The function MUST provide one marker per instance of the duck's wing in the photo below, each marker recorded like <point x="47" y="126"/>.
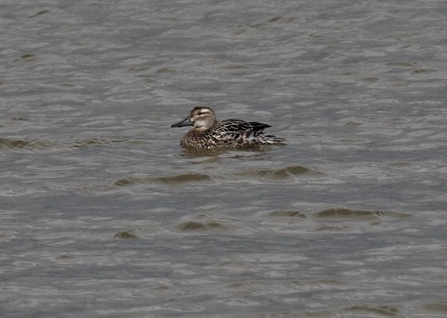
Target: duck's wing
<point x="258" y="127"/>
<point x="232" y="130"/>
<point x="237" y="125"/>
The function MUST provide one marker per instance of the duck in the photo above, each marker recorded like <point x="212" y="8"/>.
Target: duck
<point x="210" y="133"/>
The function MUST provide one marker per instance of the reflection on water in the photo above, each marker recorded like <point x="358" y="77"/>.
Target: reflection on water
<point x="103" y="214"/>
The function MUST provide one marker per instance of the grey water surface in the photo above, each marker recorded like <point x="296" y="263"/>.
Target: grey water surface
<point x="102" y="214"/>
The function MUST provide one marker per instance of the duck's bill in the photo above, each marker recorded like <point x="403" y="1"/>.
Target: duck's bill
<point x="186" y="122"/>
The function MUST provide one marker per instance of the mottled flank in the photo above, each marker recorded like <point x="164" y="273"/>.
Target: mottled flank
<point x="210" y="133"/>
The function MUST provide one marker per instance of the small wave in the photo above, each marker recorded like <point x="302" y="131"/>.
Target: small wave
<point x="346" y="213"/>
<point x="128" y="181"/>
<point x="41" y="145"/>
<point x="93" y="142"/>
<point x="200" y="226"/>
<point x="167" y="180"/>
<point x="183" y="178"/>
<point x="125" y="235"/>
<point x="14" y="144"/>
<point x="288" y="214"/>
<point x="380" y="310"/>
<point x="331" y="228"/>
<point x="281" y="174"/>
<point x="438" y="307"/>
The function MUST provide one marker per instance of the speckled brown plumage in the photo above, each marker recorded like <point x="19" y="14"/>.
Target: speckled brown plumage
<point x="210" y="133"/>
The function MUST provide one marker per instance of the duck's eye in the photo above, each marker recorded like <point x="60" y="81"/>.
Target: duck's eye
<point x="200" y="113"/>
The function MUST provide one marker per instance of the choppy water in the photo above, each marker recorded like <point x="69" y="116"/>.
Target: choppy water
<point x="102" y="213"/>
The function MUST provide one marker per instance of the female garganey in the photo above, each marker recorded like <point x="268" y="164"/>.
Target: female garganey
<point x="210" y="133"/>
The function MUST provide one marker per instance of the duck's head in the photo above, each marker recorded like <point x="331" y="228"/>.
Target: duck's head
<point x="200" y="117"/>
